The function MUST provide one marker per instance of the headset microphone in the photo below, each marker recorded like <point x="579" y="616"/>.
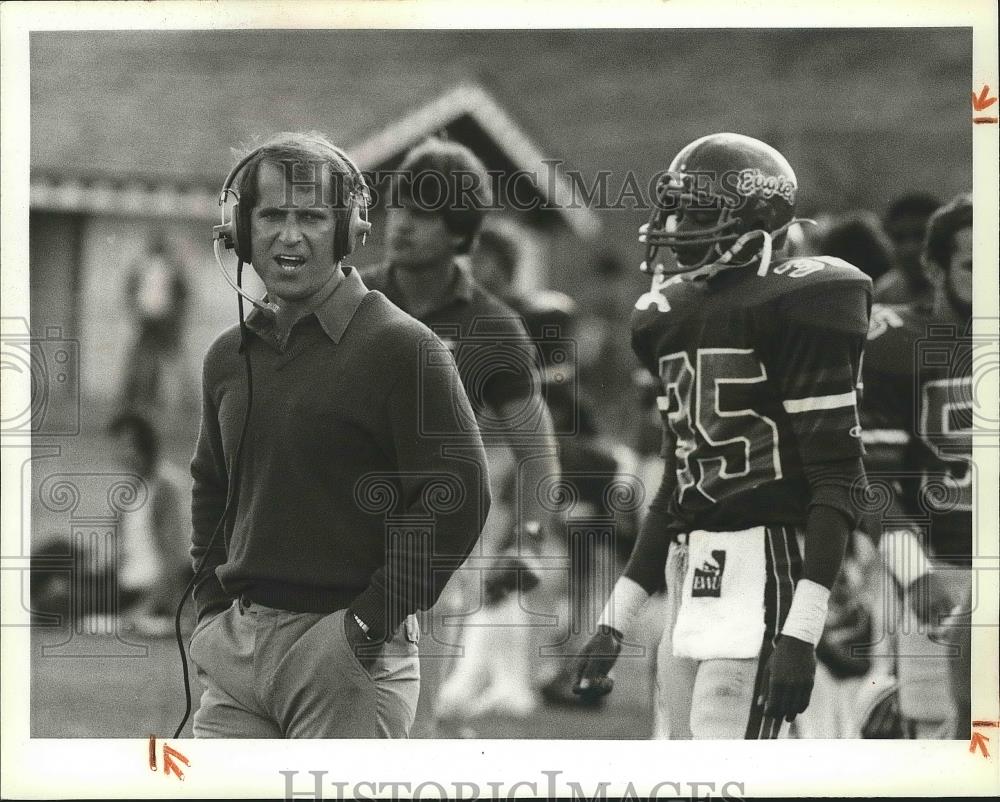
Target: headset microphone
<point x="223" y="236"/>
<point x="266" y="307"/>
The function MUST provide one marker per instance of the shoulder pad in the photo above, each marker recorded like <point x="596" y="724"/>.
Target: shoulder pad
<point x="807" y="270"/>
<point x="823" y="292"/>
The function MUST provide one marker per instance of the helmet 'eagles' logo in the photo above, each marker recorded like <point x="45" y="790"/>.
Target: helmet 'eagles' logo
<point x="755" y="182"/>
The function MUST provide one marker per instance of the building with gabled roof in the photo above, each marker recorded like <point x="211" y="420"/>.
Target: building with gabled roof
<point x="132" y="133"/>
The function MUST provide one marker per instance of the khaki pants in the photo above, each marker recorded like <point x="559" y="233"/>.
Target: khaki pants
<point x="271" y="673"/>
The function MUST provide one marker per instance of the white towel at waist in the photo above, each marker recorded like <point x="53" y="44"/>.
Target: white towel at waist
<point x="722" y="601"/>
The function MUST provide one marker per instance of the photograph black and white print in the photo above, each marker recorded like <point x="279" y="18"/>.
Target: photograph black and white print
<point x="559" y="392"/>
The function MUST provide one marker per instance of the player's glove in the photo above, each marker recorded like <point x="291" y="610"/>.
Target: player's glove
<point x="599" y="656"/>
<point x="788" y="679"/>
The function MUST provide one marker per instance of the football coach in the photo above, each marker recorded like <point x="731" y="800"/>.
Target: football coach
<point x="306" y="625"/>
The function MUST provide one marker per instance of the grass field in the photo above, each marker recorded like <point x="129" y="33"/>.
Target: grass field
<point x="134" y="694"/>
<point x="140" y="691"/>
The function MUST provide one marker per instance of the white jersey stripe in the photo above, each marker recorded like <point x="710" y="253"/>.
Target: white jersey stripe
<point x="821" y="402"/>
<point x="885" y="437"/>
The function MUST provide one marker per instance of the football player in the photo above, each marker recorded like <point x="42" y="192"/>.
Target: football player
<point x="759" y="359"/>
<point x="917" y="409"/>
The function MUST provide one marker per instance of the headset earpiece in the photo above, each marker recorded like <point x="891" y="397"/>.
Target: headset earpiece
<point x="357" y="227"/>
<point x="240" y="223"/>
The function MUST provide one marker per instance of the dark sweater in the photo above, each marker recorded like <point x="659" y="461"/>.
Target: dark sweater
<point x="342" y="502"/>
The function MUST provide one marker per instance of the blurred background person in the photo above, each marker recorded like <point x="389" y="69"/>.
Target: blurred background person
<point x="606" y="359"/>
<point x="858" y="239"/>
<point x="599" y="483"/>
<point x="918" y="417"/>
<point x="905" y="222"/>
<point x="153" y="540"/>
<point x="430" y="232"/>
<point x="599" y="474"/>
<point x="847" y="679"/>
<point x="496" y="260"/>
<point x="156" y="380"/>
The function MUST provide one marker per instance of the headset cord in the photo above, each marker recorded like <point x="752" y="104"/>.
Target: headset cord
<point x="230" y="496"/>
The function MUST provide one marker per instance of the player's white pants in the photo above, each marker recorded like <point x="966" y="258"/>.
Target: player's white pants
<point x="717" y="698"/>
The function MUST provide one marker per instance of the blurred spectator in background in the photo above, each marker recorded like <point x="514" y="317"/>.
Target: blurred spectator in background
<point x="600" y="476"/>
<point x="605" y="353"/>
<point x="427" y="274"/>
<point x="917" y="414"/>
<point x="496" y="260"/>
<point x="847" y="679"/>
<point x="154" y="563"/>
<point x="858" y="239"/>
<point x="905" y="222"/>
<point x="156" y="380"/>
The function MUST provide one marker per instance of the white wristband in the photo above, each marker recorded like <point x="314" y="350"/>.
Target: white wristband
<point x="624" y="605"/>
<point x="904" y="556"/>
<point x="807" y="615"/>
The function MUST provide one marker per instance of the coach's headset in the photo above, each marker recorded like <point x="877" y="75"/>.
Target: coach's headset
<point x="235" y="234"/>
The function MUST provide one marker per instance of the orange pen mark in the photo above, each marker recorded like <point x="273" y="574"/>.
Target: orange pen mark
<point x="169" y="753"/>
<point x="979" y="741"/>
<point x="152" y="753"/>
<point x="981" y="102"/>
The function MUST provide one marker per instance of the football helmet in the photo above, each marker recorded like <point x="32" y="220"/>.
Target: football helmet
<point x="721" y="193"/>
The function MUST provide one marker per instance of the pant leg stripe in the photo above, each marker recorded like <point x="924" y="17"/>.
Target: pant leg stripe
<point x="783" y="565"/>
<point x="775" y="619"/>
<point x="790" y="569"/>
<point x="755" y="723"/>
<point x="785" y="579"/>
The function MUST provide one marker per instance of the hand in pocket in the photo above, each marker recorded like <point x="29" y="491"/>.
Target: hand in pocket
<point x="364" y="649"/>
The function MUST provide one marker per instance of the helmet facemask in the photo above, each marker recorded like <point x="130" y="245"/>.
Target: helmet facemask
<point x="711" y="217"/>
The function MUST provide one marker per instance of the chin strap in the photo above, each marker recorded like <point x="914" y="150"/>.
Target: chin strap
<point x="725" y="260"/>
<point x="766" y="251"/>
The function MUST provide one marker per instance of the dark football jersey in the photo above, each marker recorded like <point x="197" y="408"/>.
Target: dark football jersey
<point x="917" y="413"/>
<point x="759" y="377"/>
